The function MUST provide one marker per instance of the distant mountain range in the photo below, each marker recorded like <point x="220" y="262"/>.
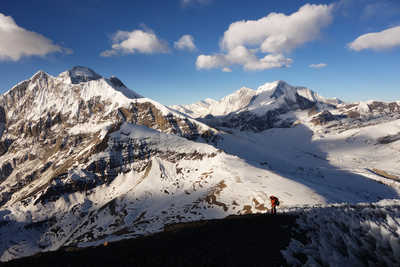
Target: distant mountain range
<point x="270" y="96"/>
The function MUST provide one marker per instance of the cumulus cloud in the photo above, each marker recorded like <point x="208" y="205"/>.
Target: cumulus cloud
<point x="242" y="56"/>
<point x="226" y="69"/>
<point x="386" y="39"/>
<point x="277" y="32"/>
<point x="137" y="41"/>
<point x="318" y="66"/>
<point x="186" y="42"/>
<point x="273" y="35"/>
<point x="17" y="42"/>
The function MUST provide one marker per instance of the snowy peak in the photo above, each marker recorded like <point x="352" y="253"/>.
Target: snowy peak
<point x="280" y="88"/>
<point x="269" y="96"/>
<point x="95" y="100"/>
<point x="39" y="75"/>
<point x="275" y="88"/>
<point x="80" y="74"/>
<point x="230" y="103"/>
<point x="233" y="102"/>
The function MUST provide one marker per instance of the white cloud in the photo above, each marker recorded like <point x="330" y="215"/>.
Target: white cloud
<point x="242" y="56"/>
<point x="137" y="41"/>
<point x="226" y="69"/>
<point x="277" y="32"/>
<point x="386" y="39"/>
<point x="17" y="42"/>
<point x="318" y="66"/>
<point x="210" y="62"/>
<point x="186" y="42"/>
<point x="274" y="35"/>
<point x="270" y="62"/>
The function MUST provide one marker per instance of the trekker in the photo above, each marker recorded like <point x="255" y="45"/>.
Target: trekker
<point x="274" y="202"/>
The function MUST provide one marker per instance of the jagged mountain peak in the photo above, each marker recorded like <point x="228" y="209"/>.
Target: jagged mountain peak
<point x="80" y="74"/>
<point x="272" y="85"/>
<point x="44" y="100"/>
<point x="271" y="95"/>
<point x="244" y="89"/>
<point x="278" y="88"/>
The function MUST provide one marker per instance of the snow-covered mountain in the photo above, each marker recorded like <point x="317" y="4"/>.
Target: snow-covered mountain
<point x="270" y="96"/>
<point x="84" y="159"/>
<point x="279" y="105"/>
<point x="259" y="109"/>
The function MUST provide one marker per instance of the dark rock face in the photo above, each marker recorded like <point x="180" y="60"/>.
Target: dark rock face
<point x="278" y="91"/>
<point x="249" y="121"/>
<point x="80" y="74"/>
<point x="353" y="114"/>
<point x="5" y="171"/>
<point x="388" y="139"/>
<point x="383" y="107"/>
<point x="304" y="103"/>
<point x="3" y="116"/>
<point x="116" y="82"/>
<point x="148" y="115"/>
<point x="4" y="145"/>
<point x="323" y="118"/>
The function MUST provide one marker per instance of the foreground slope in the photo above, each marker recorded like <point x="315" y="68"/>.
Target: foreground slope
<point x="365" y="234"/>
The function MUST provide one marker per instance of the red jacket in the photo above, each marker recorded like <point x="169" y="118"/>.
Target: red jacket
<point x="274" y="200"/>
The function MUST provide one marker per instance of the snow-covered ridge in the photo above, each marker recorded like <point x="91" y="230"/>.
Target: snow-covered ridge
<point x="266" y="97"/>
<point x="64" y="92"/>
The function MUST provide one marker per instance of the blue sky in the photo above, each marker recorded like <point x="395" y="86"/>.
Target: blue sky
<point x="135" y="41"/>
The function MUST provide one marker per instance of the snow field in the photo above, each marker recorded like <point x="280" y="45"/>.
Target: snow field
<point x="366" y="234"/>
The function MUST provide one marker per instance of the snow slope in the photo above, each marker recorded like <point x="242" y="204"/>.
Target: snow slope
<point x="366" y="234"/>
<point x="205" y="183"/>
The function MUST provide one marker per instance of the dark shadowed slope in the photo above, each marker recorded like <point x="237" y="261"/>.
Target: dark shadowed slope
<point x="251" y="240"/>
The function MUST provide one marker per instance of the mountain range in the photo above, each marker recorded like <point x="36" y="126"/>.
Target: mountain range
<point x="84" y="160"/>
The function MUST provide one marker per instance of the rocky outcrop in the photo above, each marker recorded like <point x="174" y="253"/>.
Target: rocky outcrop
<point x="323" y="118"/>
<point x="148" y="115"/>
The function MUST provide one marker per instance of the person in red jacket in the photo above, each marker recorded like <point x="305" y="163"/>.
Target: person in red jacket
<point x="274" y="202"/>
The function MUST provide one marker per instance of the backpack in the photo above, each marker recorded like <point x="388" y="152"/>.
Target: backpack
<point x="277" y="202"/>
